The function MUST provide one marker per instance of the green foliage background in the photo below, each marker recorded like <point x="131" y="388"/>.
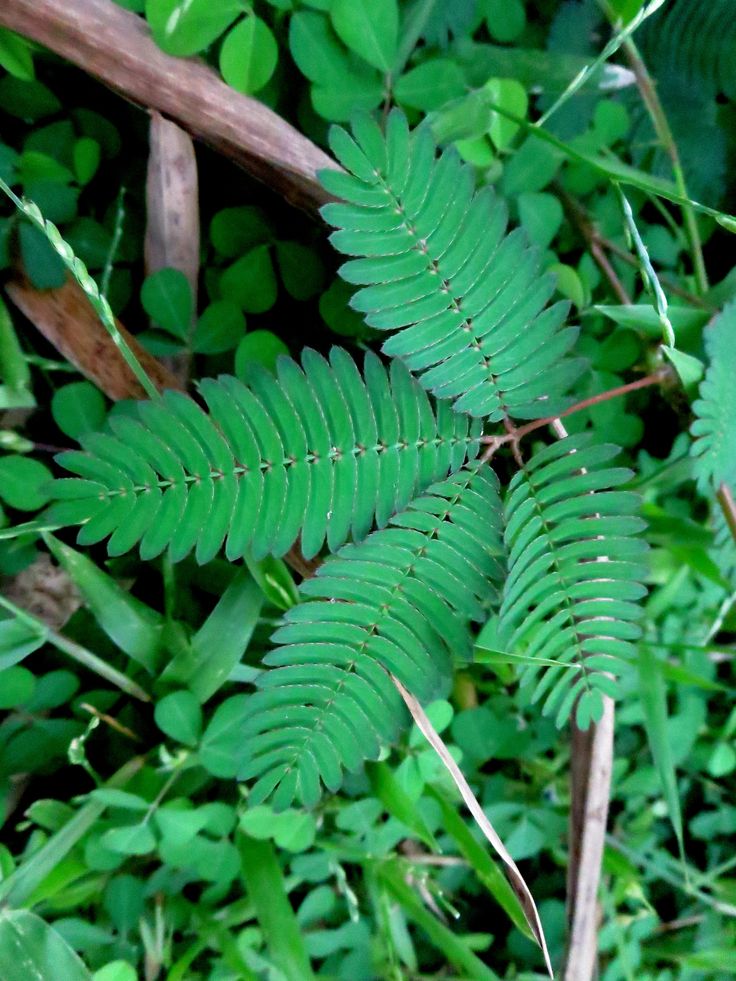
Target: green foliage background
<point x="132" y="830"/>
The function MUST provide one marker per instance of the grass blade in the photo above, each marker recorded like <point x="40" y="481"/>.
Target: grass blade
<point x="31" y="950"/>
<point x="19" y="887"/>
<point x="219" y="644"/>
<point x="265" y="884"/>
<point x="453" y="947"/>
<point x="515" y="877"/>
<point x="654" y="702"/>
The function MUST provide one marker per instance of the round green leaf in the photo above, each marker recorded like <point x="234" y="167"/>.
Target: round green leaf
<point x="78" y="408"/>
<point x="222" y="742"/>
<point x="430" y="85"/>
<point x="569" y="283"/>
<point x="506" y="19"/>
<point x="23" y="482"/>
<point x="261" y="347"/>
<point x="370" y="28"/>
<point x="179" y="824"/>
<point x="722" y="760"/>
<point x="333" y="306"/>
<point x="541" y="216"/>
<point x="87" y="155"/>
<point x="294" y="830"/>
<point x="167" y="299"/>
<point x="42" y="265"/>
<point x="186" y="27"/>
<point x="248" y="55"/>
<point x="124" y="900"/>
<point x="315" y="48"/>
<point x="116" y="971"/>
<point x="258" y="822"/>
<point x="16" y="686"/>
<point x="356" y="92"/>
<point x="28" y="101"/>
<point x="301" y="269"/>
<point x="235" y="230"/>
<point x="219" y="328"/>
<point x="179" y="715"/>
<point x="477" y="152"/>
<point x="250" y="282"/>
<point x="15" y="55"/>
<point x="136" y="839"/>
<point x="510" y="95"/>
<point x="611" y="121"/>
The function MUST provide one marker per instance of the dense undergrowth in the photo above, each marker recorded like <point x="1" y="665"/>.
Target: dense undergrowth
<point x="405" y="466"/>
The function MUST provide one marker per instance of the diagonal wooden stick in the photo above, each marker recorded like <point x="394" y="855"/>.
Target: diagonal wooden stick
<point x="115" y="46"/>
<point x="67" y="320"/>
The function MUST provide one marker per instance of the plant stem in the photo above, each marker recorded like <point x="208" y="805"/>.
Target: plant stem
<point x="652" y="102"/>
<point x="515" y="434"/>
<point x="728" y="506"/>
<point x="80" y="273"/>
<point x="599" y="245"/>
<point x="80" y="654"/>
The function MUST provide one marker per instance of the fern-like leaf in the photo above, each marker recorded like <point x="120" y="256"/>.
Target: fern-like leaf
<point x="696" y="40"/>
<point x="714" y="449"/>
<point x="575" y="574"/>
<point x="317" y="451"/>
<point x="397" y="603"/>
<point x="465" y="300"/>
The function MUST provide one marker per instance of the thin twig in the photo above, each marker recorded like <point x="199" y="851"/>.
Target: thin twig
<point x="78" y="653"/>
<point x="185" y="90"/>
<point x="514" y="434"/>
<point x="579" y="217"/>
<point x="672" y="286"/>
<point x="513" y="874"/>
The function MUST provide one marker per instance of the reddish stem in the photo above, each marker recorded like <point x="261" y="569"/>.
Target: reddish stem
<point x="514" y="435"/>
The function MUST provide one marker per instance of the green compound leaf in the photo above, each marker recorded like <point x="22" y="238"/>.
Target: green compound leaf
<point x="396" y="604"/>
<point x="466" y="302"/>
<point x="575" y="571"/>
<point x="318" y="451"/>
<point x="714" y="428"/>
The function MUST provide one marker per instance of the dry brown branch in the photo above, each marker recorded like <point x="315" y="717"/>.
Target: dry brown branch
<point x="172" y="202"/>
<point x="172" y="214"/>
<point x="592" y="760"/>
<point x="66" y="319"/>
<point x="115" y="46"/>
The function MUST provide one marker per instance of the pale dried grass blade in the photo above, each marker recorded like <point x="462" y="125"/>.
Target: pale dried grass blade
<point x="514" y="876"/>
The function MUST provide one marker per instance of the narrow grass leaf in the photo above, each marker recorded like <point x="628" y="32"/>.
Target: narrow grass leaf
<point x="515" y="877"/>
<point x="266" y="890"/>
<point x="31" y="950"/>
<point x="654" y="702"/>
